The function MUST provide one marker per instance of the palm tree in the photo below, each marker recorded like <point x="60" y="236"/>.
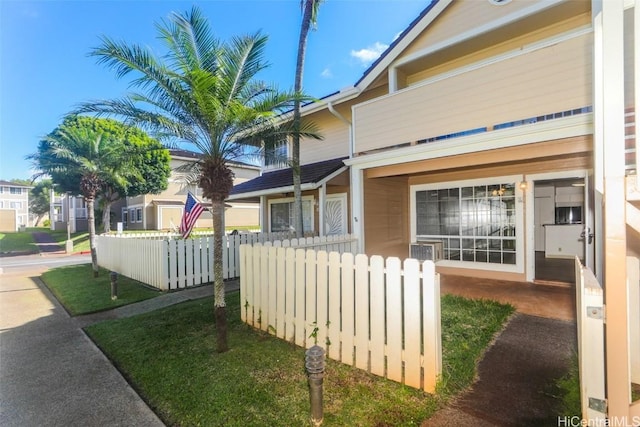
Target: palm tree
<point x="83" y="159"/>
<point x="309" y="19"/>
<point x="203" y="92"/>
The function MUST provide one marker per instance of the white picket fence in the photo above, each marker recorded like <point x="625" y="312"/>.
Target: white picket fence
<point x="591" y="350"/>
<point x="167" y="263"/>
<point x="380" y="316"/>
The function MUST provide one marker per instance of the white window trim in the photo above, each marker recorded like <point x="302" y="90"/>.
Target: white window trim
<point x="518" y="267"/>
<point x="291" y="200"/>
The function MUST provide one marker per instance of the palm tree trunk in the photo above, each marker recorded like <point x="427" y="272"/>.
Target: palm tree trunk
<point x="295" y="158"/>
<point x="92" y="234"/>
<point x="106" y="215"/>
<point x="219" y="302"/>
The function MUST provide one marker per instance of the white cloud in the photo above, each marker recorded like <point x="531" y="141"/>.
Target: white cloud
<point x="326" y="73"/>
<point x="367" y="55"/>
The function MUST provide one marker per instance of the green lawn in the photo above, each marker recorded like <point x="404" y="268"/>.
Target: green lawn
<point x="169" y="356"/>
<point x="17" y="242"/>
<point x="80" y="293"/>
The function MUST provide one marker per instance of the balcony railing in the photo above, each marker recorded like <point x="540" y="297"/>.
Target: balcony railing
<point x="631" y="149"/>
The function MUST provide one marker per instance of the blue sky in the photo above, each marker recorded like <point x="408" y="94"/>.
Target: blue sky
<point x="45" y="70"/>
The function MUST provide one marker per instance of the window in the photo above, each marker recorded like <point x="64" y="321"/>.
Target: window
<point x="132" y="215"/>
<point x="476" y="223"/>
<point x="139" y="215"/>
<point x="277" y="155"/>
<point x="15" y="190"/>
<point x="1" y="204"/>
<point x="15" y="205"/>
<point x="125" y="216"/>
<point x="2" y="190"/>
<point x="281" y="214"/>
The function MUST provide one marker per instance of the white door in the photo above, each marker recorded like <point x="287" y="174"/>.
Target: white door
<point x="335" y="214"/>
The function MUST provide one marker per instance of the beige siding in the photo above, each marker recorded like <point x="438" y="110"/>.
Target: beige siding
<point x="242" y="215"/>
<point x="469" y="54"/>
<point x="545" y="81"/>
<point x="335" y="142"/>
<point x="8" y="221"/>
<point x="386" y="217"/>
<point x="464" y="16"/>
<point x="169" y="217"/>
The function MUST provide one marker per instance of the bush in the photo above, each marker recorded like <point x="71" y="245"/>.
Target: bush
<point x="46" y="223"/>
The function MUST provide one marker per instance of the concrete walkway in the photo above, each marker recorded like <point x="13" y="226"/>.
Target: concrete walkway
<point x="51" y="373"/>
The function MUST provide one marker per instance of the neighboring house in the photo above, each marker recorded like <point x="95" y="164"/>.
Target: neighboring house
<point x="164" y="211"/>
<point x="14" y="203"/>
<point x="68" y="209"/>
<point x="474" y="130"/>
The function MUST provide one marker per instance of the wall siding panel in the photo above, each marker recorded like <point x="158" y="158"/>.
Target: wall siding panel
<point x="549" y="80"/>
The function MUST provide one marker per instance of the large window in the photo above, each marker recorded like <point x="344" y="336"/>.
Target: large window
<point x="281" y="214"/>
<point x="15" y="190"/>
<point x="475" y="223"/>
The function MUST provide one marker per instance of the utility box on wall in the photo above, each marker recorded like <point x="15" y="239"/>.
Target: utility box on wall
<point x="426" y="251"/>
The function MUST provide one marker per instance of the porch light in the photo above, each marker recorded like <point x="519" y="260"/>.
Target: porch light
<point x="523" y="185"/>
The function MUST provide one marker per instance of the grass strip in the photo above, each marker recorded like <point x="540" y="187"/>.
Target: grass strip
<point x="80" y="293"/>
<point x="17" y="242"/>
<point x="169" y="357"/>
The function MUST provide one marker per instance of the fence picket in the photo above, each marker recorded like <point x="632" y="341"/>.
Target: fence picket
<point x="290" y="266"/>
<point x="334" y="306"/>
<point x="394" y="320"/>
<point x="412" y="323"/>
<point x="264" y="288"/>
<point x="300" y="321"/>
<point x="244" y="277"/>
<point x="322" y="265"/>
<point x="311" y="297"/>
<point x="432" y="329"/>
<point x="376" y="304"/>
<point x="348" y="302"/>
<point x="362" y="311"/>
<point x="280" y="282"/>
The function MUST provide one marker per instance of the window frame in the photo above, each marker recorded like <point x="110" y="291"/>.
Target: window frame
<point x="519" y="225"/>
<point x="290" y="200"/>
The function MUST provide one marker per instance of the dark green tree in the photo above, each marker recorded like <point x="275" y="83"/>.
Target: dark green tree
<point x="147" y="159"/>
<point x="82" y="160"/>
<point x="204" y="92"/>
<point x="40" y="199"/>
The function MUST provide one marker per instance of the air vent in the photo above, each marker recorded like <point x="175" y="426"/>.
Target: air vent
<point x="426" y="251"/>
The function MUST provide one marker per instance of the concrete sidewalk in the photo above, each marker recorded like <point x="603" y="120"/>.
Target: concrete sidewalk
<point x="51" y="373"/>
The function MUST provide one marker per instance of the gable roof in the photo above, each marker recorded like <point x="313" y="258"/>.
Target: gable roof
<point x="379" y="66"/>
<point x="401" y="42"/>
<point x="13" y="184"/>
<point x="192" y="155"/>
<point x="312" y="176"/>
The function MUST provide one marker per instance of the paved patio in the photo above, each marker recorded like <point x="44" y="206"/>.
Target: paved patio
<point x="548" y="301"/>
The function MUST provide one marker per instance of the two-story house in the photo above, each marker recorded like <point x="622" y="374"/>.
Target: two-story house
<point x="501" y="135"/>
<point x="14" y="204"/>
<point x="473" y="131"/>
<point x="164" y="211"/>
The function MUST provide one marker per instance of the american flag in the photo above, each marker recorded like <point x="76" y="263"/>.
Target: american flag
<point x="192" y="211"/>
